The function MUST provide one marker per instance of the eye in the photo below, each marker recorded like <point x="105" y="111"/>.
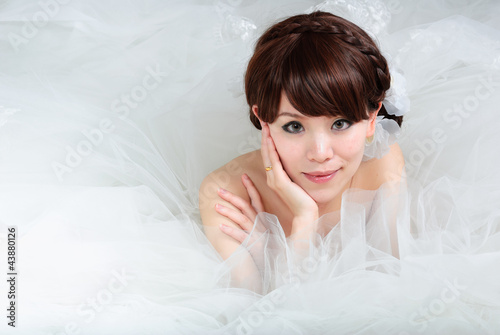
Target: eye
<point x="341" y="124"/>
<point x="293" y="127"/>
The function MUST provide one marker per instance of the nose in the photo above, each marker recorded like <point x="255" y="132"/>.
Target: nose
<point x="320" y="148"/>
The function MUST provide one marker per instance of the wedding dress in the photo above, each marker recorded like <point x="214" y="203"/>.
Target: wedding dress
<point x="112" y="113"/>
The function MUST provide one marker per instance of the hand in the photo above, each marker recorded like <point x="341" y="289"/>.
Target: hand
<point x="252" y="263"/>
<point x="245" y="216"/>
<point x="303" y="207"/>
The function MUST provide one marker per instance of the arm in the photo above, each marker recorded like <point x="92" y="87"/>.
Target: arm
<point x="244" y="272"/>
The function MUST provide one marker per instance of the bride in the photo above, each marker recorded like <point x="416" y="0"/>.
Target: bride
<point x="315" y="86"/>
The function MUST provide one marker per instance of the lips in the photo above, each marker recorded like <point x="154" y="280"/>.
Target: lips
<point x="320" y="177"/>
<point x="320" y="173"/>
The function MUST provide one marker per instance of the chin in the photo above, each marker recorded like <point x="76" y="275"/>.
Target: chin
<point x="320" y="193"/>
<point x="323" y="196"/>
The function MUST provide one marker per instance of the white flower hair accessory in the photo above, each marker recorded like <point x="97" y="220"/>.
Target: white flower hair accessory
<point x="387" y="131"/>
<point x="396" y="100"/>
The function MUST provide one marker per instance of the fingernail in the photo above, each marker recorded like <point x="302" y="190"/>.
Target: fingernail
<point x="218" y="206"/>
<point x="222" y="191"/>
<point x="245" y="176"/>
<point x="223" y="226"/>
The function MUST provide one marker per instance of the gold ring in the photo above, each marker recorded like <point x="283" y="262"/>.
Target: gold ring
<point x="269" y="168"/>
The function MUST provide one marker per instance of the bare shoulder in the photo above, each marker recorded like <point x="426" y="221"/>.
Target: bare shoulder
<point x="393" y="162"/>
<point x="375" y="172"/>
<point x="228" y="177"/>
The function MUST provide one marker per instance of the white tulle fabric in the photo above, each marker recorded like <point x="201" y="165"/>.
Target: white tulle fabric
<point x="112" y="113"/>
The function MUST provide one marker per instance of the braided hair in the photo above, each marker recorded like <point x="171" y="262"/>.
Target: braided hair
<point x="326" y="66"/>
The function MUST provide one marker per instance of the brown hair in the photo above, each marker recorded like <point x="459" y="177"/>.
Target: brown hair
<point x="326" y="66"/>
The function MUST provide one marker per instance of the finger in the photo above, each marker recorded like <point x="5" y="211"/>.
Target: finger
<point x="273" y="155"/>
<point x="278" y="174"/>
<point x="238" y="234"/>
<point x="243" y="205"/>
<point x="266" y="135"/>
<point x="254" y="194"/>
<point x="241" y="236"/>
<point x="236" y="216"/>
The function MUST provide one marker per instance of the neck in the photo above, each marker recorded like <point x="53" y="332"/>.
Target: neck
<point x="331" y="206"/>
<point x="335" y="204"/>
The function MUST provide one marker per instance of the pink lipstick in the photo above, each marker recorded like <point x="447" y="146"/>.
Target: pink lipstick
<point x="320" y="177"/>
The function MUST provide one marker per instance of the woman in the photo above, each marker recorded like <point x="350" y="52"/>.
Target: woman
<point x="315" y="86"/>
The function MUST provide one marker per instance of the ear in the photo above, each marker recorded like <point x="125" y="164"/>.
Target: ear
<point x="255" y="111"/>
<point x="372" y="121"/>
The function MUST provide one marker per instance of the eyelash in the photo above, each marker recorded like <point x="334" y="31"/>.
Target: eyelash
<point x="294" y="123"/>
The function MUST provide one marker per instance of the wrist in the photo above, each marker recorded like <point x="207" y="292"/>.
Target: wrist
<point x="307" y="214"/>
<point x="301" y="221"/>
<point x="305" y="219"/>
<point x="303" y="226"/>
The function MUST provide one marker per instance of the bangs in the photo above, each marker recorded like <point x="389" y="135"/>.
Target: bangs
<point x="321" y="78"/>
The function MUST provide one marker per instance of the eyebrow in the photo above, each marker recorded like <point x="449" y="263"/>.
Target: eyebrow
<point x="298" y="116"/>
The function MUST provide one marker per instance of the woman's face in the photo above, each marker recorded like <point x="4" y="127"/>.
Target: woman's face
<point x="320" y="154"/>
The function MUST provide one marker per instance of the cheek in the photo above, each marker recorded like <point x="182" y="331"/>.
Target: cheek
<point x="351" y="147"/>
<point x="288" y="151"/>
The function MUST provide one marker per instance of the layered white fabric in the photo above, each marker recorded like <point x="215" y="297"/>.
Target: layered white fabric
<point x="112" y="113"/>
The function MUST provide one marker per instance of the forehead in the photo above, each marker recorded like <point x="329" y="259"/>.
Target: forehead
<point x="286" y="109"/>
